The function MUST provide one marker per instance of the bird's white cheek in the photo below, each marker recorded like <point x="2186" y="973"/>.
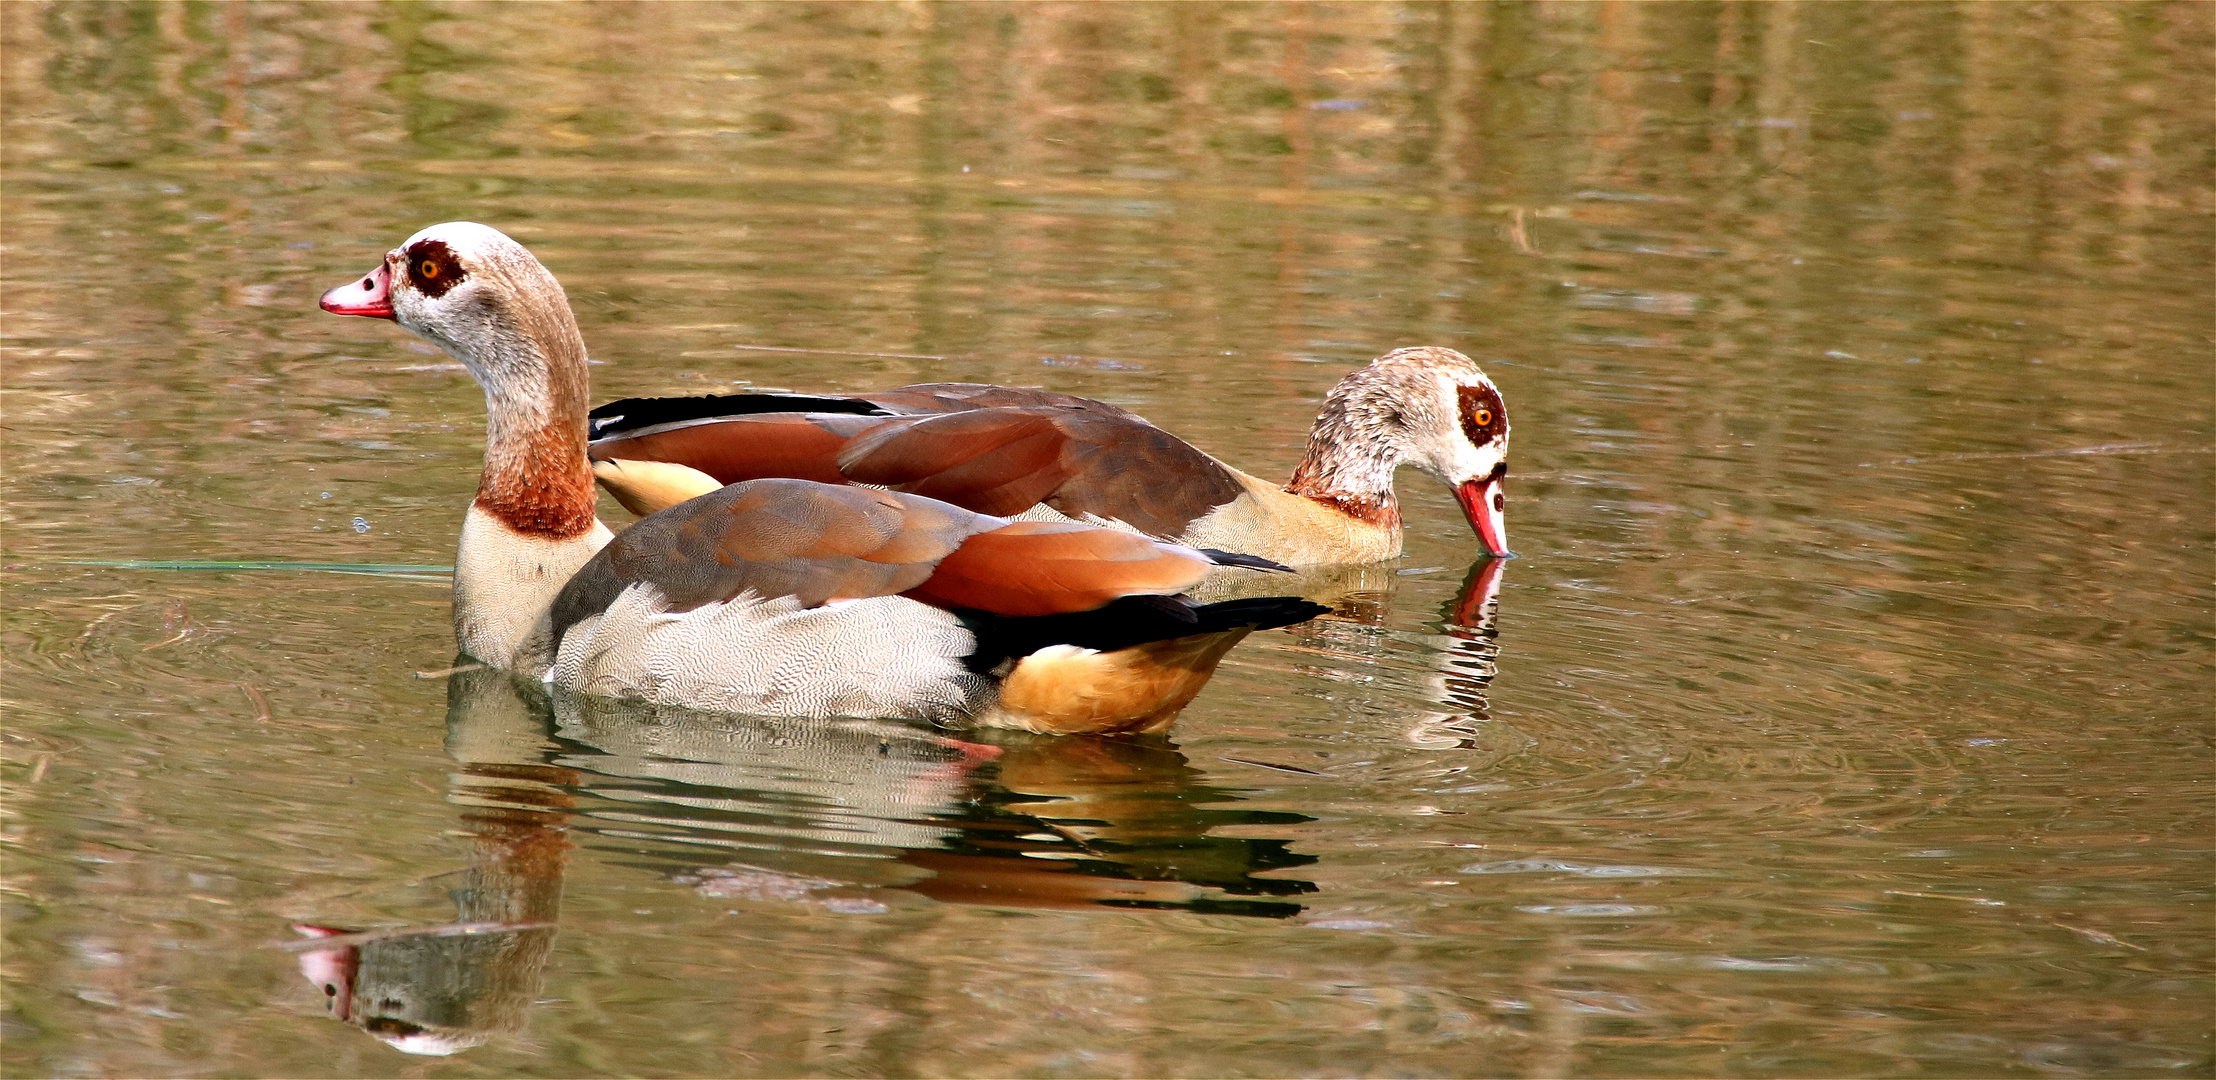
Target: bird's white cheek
<point x="431" y="320"/>
<point x="1458" y="461"/>
<point x="409" y="307"/>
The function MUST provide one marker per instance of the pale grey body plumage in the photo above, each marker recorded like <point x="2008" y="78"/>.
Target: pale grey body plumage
<point x="878" y="656"/>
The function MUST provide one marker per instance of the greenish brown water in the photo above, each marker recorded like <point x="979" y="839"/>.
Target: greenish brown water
<point x="1847" y="711"/>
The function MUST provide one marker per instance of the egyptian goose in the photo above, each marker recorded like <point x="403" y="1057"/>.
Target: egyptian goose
<point x="1042" y="455"/>
<point x="779" y="596"/>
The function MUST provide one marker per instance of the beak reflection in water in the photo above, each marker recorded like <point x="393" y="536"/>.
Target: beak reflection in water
<point x="1453" y="666"/>
<point x="1470" y="658"/>
<point x="835" y="817"/>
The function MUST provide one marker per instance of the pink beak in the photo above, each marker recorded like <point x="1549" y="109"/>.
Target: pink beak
<point x="1487" y="508"/>
<point x="371" y="297"/>
<point x="331" y="969"/>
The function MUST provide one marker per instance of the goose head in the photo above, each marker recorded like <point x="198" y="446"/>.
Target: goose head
<point x="483" y="298"/>
<point x="470" y="290"/>
<point x="1429" y="407"/>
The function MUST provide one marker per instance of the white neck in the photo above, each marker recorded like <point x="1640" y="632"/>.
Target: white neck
<point x="532" y="525"/>
<point x="505" y="582"/>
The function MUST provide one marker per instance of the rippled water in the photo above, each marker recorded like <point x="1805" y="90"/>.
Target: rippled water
<point x="1847" y="710"/>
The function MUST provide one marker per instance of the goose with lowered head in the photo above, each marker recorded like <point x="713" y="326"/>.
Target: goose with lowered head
<point x="780" y="596"/>
<point x="1039" y="454"/>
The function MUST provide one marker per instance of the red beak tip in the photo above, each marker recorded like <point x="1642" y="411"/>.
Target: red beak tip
<point x="1487" y="518"/>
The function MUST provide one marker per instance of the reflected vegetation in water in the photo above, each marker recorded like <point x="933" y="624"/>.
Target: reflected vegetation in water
<point x="1845" y="713"/>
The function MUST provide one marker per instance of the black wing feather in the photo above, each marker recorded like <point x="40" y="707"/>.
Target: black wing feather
<point x="1125" y="622"/>
<point x="632" y="414"/>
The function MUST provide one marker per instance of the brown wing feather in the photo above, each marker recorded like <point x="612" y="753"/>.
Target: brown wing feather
<point x="993" y="461"/>
<point x="819" y="542"/>
<point x="993" y="449"/>
<point x="749" y="447"/>
<point x="1004" y="460"/>
<point x="1140" y="475"/>
<point x="1050" y="568"/>
<point x="776" y="537"/>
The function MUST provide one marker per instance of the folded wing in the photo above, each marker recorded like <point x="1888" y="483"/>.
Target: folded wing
<point x="821" y="543"/>
<point x="992" y="449"/>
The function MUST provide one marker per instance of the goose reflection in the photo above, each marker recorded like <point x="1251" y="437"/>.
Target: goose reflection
<point x="1468" y="660"/>
<point x="1365" y="658"/>
<point x="837" y="817"/>
<point x="858" y="816"/>
<point x="1472" y="625"/>
<point x="442" y="989"/>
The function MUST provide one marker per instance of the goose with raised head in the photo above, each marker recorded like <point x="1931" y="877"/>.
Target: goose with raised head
<point x="1039" y="454"/>
<point x="779" y="596"/>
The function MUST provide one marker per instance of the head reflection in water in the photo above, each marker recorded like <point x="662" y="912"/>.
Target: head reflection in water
<point x="438" y="990"/>
<point x="433" y="992"/>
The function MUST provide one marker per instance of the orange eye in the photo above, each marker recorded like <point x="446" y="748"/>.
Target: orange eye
<point x="427" y="269"/>
<point x="1483" y="417"/>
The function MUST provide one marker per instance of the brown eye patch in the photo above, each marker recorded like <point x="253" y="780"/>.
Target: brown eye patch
<point x="1483" y="418"/>
<point x="432" y="267"/>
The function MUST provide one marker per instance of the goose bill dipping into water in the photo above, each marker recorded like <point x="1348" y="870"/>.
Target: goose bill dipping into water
<point x="1047" y="456"/>
<point x="780" y="596"/>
